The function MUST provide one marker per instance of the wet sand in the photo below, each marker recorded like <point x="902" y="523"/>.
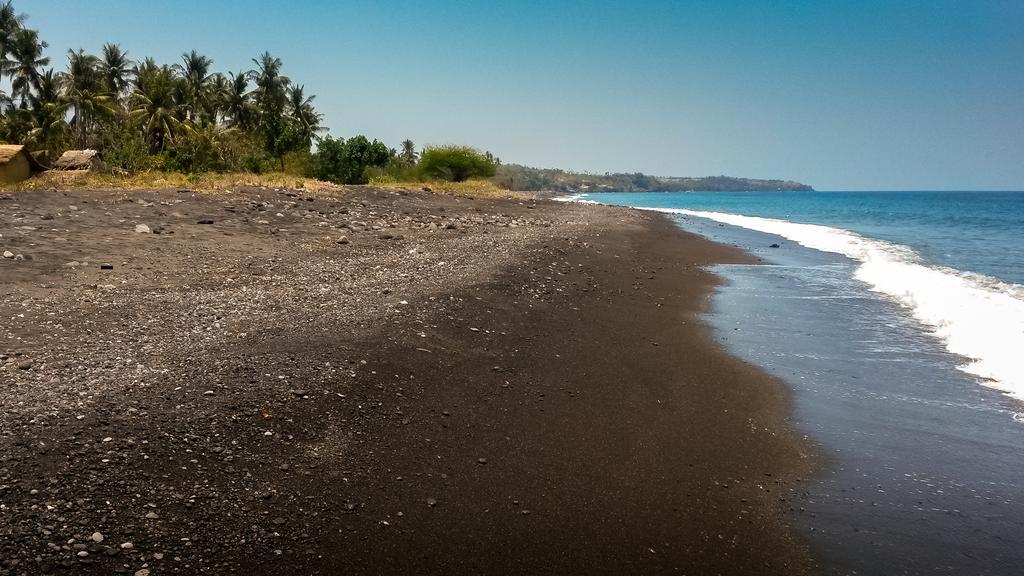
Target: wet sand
<point x="456" y="386"/>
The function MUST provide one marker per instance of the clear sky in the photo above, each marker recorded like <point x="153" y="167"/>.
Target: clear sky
<point x="868" y="94"/>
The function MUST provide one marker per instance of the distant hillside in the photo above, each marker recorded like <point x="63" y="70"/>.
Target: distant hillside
<point x="524" y="178"/>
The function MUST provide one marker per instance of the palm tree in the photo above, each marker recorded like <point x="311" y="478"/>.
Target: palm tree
<point x="50" y="129"/>
<point x="10" y="22"/>
<point x="84" y="89"/>
<point x="195" y="70"/>
<point x="409" y="155"/>
<point x="271" y="87"/>
<point x="301" y="109"/>
<point x="116" y="69"/>
<point x="26" y="52"/>
<point x="237" y="102"/>
<point x="154" y="104"/>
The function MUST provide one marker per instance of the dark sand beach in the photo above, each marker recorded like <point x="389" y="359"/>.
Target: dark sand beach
<point x="376" y="382"/>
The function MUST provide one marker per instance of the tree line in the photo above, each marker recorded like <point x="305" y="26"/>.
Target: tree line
<point x="141" y="114"/>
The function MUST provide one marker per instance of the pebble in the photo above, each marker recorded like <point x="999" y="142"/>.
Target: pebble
<point x="106" y="266"/>
<point x="143" y="572"/>
<point x="25" y="365"/>
<point x="481" y="460"/>
<point x="127" y="545"/>
<point x="142" y="229"/>
<point x="8" y="254"/>
<point x="152" y="516"/>
<point x="158" y="555"/>
<point x="343" y="240"/>
<point x="431" y="502"/>
<point x="97" y="537"/>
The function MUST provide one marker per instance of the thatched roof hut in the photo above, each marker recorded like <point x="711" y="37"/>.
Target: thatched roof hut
<point x="16" y="164"/>
<point x="80" y="160"/>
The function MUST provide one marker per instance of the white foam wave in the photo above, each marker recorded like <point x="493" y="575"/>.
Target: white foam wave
<point x="977" y="317"/>
<point x="578" y="198"/>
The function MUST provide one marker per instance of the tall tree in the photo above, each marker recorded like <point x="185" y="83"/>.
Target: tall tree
<point x="25" y="60"/>
<point x="154" y="105"/>
<point x="408" y="153"/>
<point x="300" y="107"/>
<point x="238" y="105"/>
<point x="195" y="70"/>
<point x="50" y="130"/>
<point x="281" y="133"/>
<point x="116" y="69"/>
<point x="10" y="22"/>
<point x="84" y="89"/>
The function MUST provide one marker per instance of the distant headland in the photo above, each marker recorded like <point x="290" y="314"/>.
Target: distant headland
<point x="516" y="177"/>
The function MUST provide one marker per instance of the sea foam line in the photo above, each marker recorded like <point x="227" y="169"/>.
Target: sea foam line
<point x="977" y="317"/>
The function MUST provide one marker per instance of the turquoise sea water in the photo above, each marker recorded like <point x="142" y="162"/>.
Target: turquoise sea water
<point x="898" y="321"/>
<point x="979" y="232"/>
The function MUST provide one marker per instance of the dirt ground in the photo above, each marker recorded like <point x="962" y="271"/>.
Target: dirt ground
<point x="372" y="381"/>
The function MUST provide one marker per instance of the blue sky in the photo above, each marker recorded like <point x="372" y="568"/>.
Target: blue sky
<point x="840" y="94"/>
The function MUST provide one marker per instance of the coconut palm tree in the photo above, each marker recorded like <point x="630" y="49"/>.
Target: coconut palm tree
<point x="83" y="87"/>
<point x="408" y="154"/>
<point x="25" y="52"/>
<point x="48" y="111"/>
<point x="10" y="22"/>
<point x="116" y="69"/>
<point x="154" y="104"/>
<point x="271" y="93"/>
<point x="195" y="70"/>
<point x="237" y="102"/>
<point x="300" y="107"/>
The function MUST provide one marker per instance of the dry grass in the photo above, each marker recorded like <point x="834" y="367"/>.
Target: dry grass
<point x="57" y="180"/>
<point x="155" y="180"/>
<point x="470" y="188"/>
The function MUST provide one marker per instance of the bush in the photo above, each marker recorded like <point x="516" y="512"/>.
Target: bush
<point x="346" y="161"/>
<point x="455" y="163"/>
<point x="125" y="149"/>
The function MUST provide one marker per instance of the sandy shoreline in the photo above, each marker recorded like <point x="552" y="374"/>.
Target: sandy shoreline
<point x="461" y="386"/>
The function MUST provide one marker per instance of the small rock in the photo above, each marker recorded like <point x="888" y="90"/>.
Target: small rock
<point x="208" y="393"/>
<point x="8" y="254"/>
<point x="300" y="393"/>
<point x="481" y="460"/>
<point x="127" y="545"/>
<point x="343" y="240"/>
<point x="774" y="246"/>
<point x="25" y="365"/>
<point x="106" y="266"/>
<point x="152" y="516"/>
<point x="278" y="521"/>
<point x="158" y="555"/>
<point x="431" y="502"/>
<point x="206" y="222"/>
<point x="97" y="537"/>
<point x="143" y="572"/>
<point x="143" y="229"/>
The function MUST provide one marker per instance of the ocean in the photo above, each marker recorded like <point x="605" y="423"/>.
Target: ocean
<point x="897" y="318"/>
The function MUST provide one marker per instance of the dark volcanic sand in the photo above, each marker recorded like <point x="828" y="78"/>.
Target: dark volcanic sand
<point x="475" y="387"/>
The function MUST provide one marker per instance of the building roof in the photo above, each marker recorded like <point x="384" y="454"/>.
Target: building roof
<point x="9" y="151"/>
<point x="75" y="160"/>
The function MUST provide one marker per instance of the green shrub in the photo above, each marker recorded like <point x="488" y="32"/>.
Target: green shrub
<point x="455" y="163"/>
<point x="346" y="161"/>
<point x="126" y="149"/>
